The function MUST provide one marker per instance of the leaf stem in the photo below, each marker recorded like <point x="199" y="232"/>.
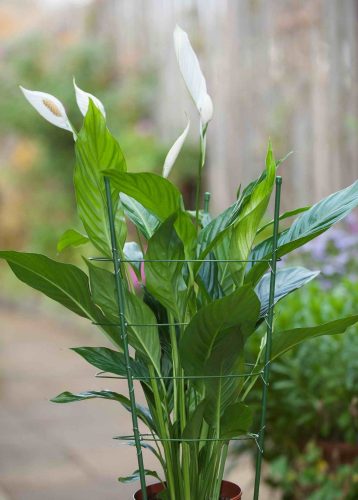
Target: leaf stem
<point x="174" y="348"/>
<point x="163" y="429"/>
<point x="201" y="164"/>
<point x="220" y="467"/>
<point x="180" y="407"/>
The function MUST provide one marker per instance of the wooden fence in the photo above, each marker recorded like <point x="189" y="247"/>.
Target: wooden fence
<point x="285" y="69"/>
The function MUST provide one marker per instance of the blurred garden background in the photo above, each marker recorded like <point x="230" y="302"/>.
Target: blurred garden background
<point x="284" y="69"/>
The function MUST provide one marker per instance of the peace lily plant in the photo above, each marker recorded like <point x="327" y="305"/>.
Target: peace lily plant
<point x="194" y="313"/>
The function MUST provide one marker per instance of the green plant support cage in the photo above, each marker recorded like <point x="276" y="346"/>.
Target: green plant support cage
<point x="140" y="438"/>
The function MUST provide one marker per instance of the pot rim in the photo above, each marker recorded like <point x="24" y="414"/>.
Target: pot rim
<point x="235" y="490"/>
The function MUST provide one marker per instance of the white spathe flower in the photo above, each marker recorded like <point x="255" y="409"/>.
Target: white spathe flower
<point x="49" y="107"/>
<point x="193" y="77"/>
<point x="206" y="110"/>
<point x="174" y="151"/>
<point x="83" y="98"/>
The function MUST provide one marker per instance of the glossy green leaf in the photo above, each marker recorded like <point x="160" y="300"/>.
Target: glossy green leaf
<point x="133" y="253"/>
<point x="226" y="278"/>
<point x="246" y="192"/>
<point x="249" y="209"/>
<point x="136" y="476"/>
<point x="164" y="276"/>
<point x="63" y="283"/>
<point x="208" y="280"/>
<point x="247" y="224"/>
<point x="286" y="340"/>
<point x="186" y="231"/>
<point x="144" y="339"/>
<point x="195" y="422"/>
<point x="222" y="391"/>
<point x="307" y="226"/>
<point x="213" y="344"/>
<point x="213" y="231"/>
<point x="250" y="188"/>
<point x="204" y="217"/>
<point x="156" y="194"/>
<point x="69" y="397"/>
<point x="285" y="215"/>
<point x="110" y="361"/>
<point x="214" y="338"/>
<point x="287" y="280"/>
<point x="71" y="238"/>
<point x="235" y="421"/>
<point x="144" y="220"/>
<point x="96" y="149"/>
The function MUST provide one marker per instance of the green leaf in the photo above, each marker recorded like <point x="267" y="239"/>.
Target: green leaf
<point x="186" y="231"/>
<point x="307" y="226"/>
<point x="212" y="345"/>
<point x="71" y="238"/>
<point x="249" y="189"/>
<point x="213" y="231"/>
<point x="287" y="280"/>
<point x="215" y="335"/>
<point x="193" y="426"/>
<point x="110" y="361"/>
<point x="144" y="220"/>
<point x="208" y="280"/>
<point x="63" y="283"/>
<point x="164" y="276"/>
<point x="144" y="339"/>
<point x="142" y="413"/>
<point x="224" y="390"/>
<point x="236" y="421"/>
<point x="286" y="340"/>
<point x="224" y="233"/>
<point x="133" y="253"/>
<point x="136" y="476"/>
<point x="69" y="397"/>
<point x="226" y="279"/>
<point x="246" y="226"/>
<point x="96" y="149"/>
<point x="285" y="215"/>
<point x="156" y="194"/>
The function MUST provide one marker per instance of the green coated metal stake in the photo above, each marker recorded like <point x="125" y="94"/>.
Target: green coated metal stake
<point x="266" y="373"/>
<point x="123" y="333"/>
<point x="207" y="196"/>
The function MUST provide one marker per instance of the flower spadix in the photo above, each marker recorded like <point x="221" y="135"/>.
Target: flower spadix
<point x="83" y="98"/>
<point x="193" y="77"/>
<point x="49" y="107"/>
<point x="174" y="151"/>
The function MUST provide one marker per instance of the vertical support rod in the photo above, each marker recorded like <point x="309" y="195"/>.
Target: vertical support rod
<point x="207" y="197"/>
<point x="123" y="333"/>
<point x="269" y="330"/>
